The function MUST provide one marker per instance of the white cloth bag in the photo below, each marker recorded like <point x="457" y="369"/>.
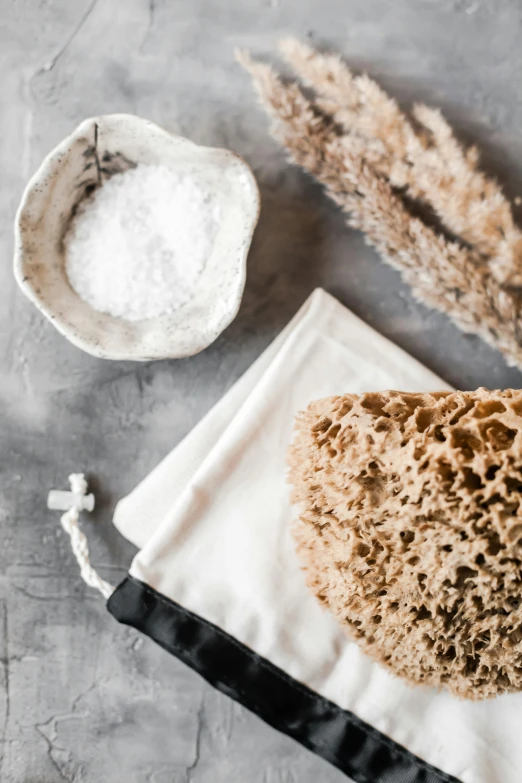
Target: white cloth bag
<point x="217" y="575"/>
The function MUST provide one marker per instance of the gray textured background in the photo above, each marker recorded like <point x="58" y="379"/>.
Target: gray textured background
<point x="82" y="699"/>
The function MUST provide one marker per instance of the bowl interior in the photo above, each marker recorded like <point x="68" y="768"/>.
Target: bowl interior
<point x="99" y="148"/>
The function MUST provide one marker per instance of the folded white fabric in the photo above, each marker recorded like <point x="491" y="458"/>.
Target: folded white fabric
<point x="217" y="581"/>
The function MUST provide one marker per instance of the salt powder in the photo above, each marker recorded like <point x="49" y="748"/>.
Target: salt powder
<point x="138" y="245"/>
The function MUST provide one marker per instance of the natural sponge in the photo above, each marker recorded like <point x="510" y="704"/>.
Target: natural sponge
<point x="411" y="530"/>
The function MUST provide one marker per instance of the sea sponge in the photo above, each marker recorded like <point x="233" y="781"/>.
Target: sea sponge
<point x="411" y="530"/>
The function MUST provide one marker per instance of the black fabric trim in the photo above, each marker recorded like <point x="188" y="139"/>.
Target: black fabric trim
<point x="337" y="735"/>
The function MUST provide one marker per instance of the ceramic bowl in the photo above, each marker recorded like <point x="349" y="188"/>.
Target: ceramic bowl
<point x="99" y="148"/>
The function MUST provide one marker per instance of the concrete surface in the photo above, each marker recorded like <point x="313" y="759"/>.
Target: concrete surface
<point x="82" y="699"/>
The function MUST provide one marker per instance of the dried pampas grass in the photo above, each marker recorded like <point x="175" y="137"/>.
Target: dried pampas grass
<point x="354" y="139"/>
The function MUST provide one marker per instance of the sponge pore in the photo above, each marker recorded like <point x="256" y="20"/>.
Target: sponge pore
<point x="411" y="530"/>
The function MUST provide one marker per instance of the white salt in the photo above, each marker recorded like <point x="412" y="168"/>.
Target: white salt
<point x="138" y="245"/>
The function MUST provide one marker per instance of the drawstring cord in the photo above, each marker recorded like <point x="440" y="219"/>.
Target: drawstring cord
<point x="80" y="548"/>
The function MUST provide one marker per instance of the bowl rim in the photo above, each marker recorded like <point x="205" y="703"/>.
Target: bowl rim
<point x="49" y="165"/>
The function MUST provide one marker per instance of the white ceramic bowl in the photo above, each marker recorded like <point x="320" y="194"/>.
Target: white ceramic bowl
<point x="98" y="148"/>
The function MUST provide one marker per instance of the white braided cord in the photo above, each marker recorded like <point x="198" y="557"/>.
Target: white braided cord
<point x="80" y="548"/>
